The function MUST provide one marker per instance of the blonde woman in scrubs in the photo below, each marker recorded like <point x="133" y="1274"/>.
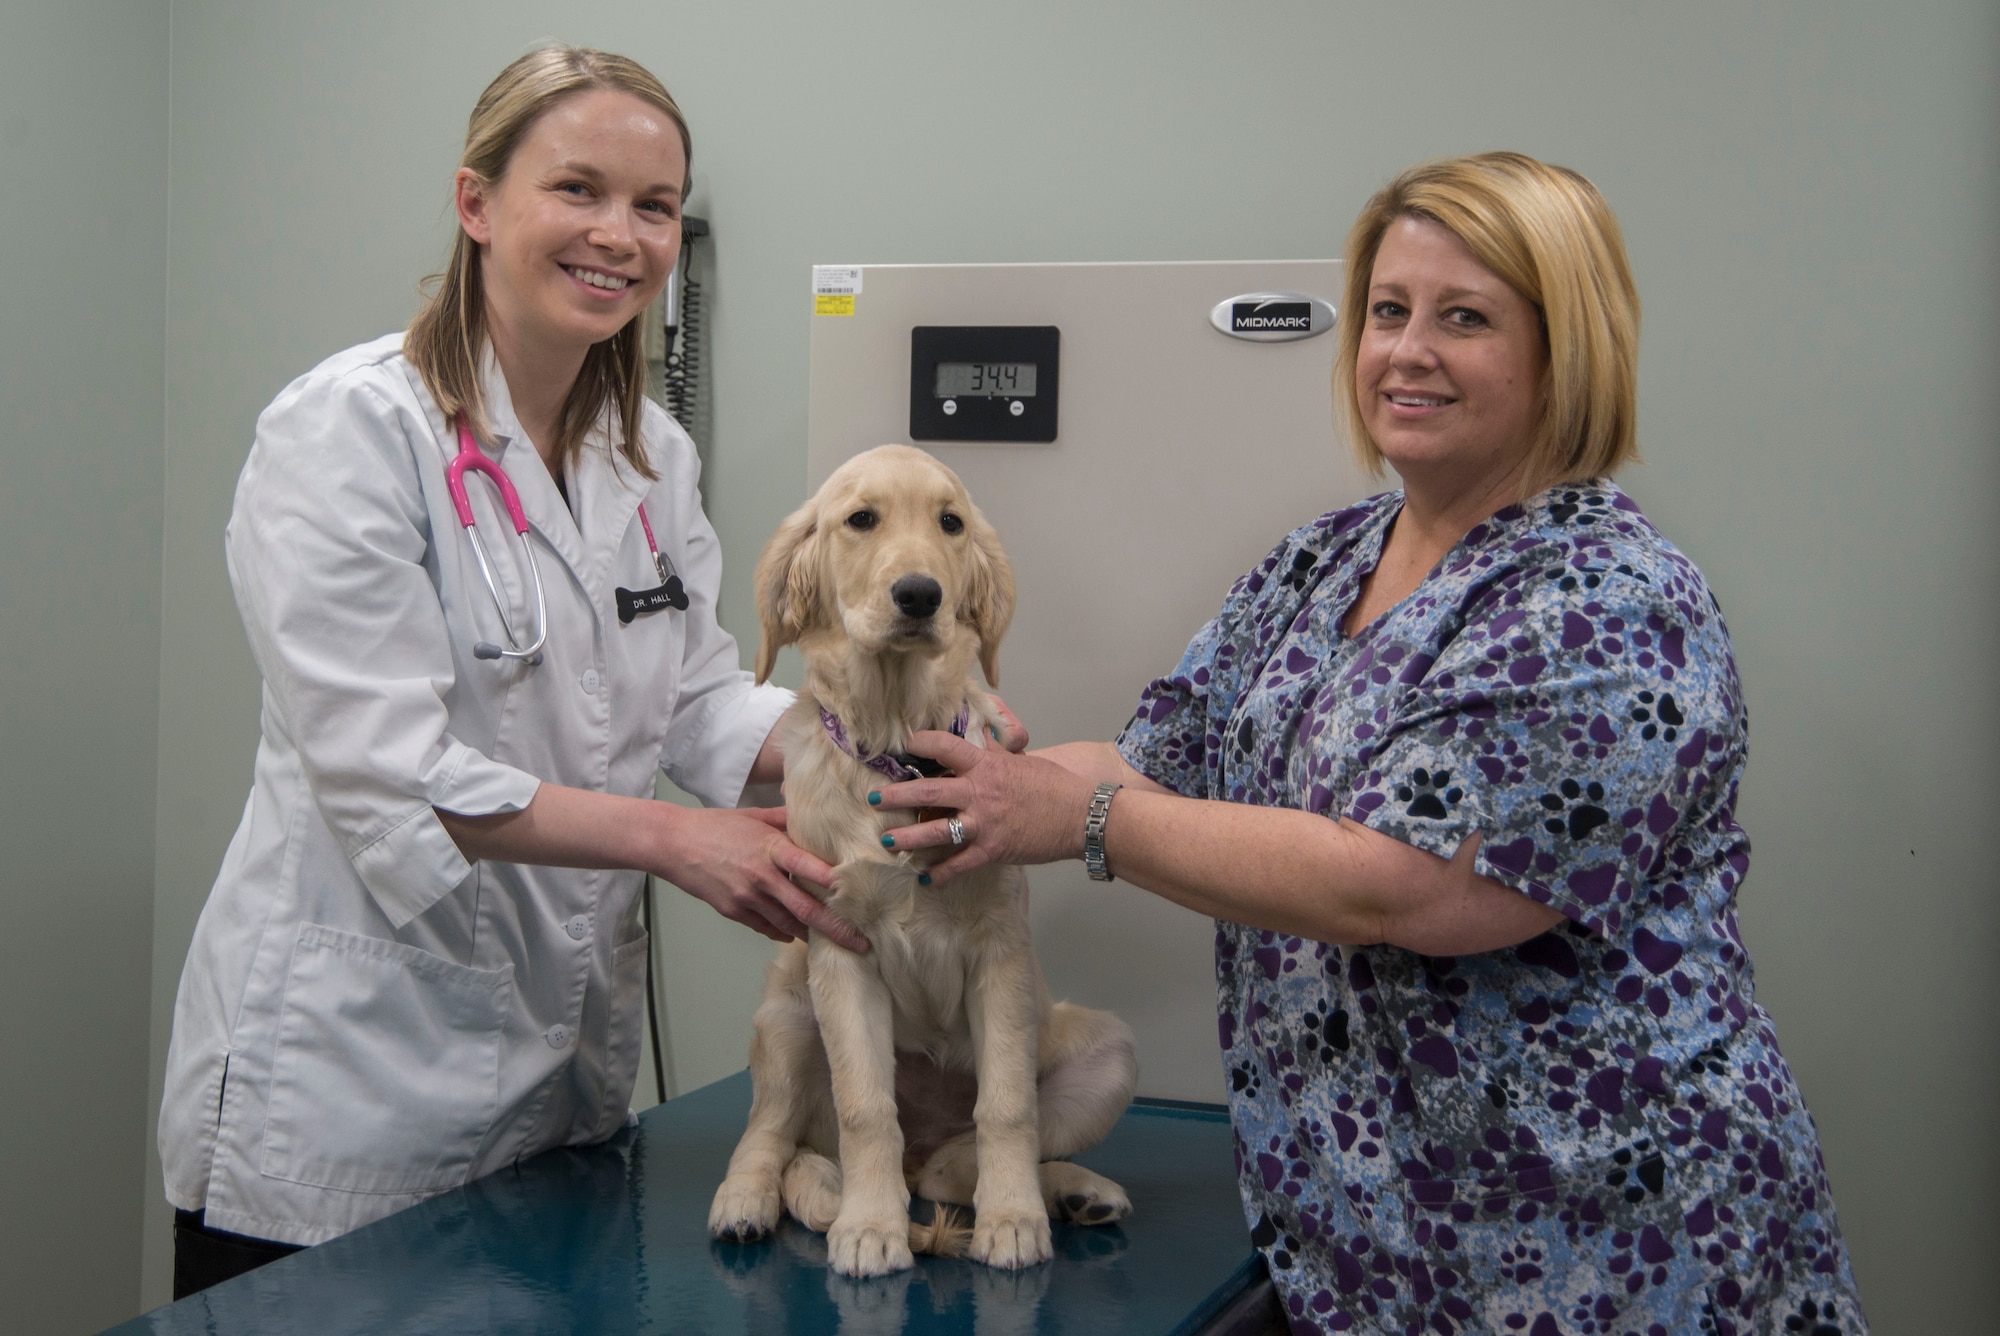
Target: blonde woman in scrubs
<point x="421" y="960"/>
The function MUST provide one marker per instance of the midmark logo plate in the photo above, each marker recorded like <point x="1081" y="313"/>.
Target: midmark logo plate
<point x="1272" y="317"/>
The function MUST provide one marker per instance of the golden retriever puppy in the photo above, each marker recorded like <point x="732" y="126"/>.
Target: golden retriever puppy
<point x="936" y="1060"/>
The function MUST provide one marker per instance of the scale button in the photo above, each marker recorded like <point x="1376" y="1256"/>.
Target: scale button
<point x="950" y="407"/>
<point x="1016" y="408"/>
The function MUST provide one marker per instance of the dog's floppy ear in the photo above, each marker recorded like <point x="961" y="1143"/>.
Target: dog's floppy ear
<point x="788" y="585"/>
<point x="989" y="594"/>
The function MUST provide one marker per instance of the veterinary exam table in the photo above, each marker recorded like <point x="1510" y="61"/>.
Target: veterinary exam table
<point x="613" y="1238"/>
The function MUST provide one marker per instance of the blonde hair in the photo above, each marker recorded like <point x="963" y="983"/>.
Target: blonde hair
<point x="448" y="336"/>
<point x="1550" y="236"/>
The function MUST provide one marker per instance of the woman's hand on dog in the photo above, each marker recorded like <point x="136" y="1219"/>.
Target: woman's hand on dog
<point x="1011" y="808"/>
<point x="739" y="862"/>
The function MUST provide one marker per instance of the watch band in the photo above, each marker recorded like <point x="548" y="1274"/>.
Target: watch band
<point x="1093" y="831"/>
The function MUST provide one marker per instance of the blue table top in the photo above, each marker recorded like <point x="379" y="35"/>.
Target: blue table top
<point x="614" y="1238"/>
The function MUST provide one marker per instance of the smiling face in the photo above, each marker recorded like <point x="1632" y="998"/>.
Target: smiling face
<point x="1451" y="362"/>
<point x="582" y="230"/>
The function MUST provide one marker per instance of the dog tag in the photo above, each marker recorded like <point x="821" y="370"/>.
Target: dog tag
<point x="637" y="603"/>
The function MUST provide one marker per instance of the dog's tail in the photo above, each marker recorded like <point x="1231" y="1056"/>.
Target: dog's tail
<point x="948" y="1232"/>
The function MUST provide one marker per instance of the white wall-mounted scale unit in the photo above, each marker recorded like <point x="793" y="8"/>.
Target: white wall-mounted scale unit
<point x="1141" y="435"/>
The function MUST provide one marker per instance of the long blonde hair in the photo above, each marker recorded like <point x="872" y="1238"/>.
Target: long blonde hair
<point x="1550" y="236"/>
<point x="448" y="336"/>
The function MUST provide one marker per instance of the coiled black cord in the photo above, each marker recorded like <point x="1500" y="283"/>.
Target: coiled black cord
<point x="681" y="379"/>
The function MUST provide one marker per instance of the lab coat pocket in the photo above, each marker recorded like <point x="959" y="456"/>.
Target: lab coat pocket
<point x="621" y="1058"/>
<point x="387" y="1073"/>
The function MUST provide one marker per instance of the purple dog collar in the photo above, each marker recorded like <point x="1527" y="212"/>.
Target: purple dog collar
<point x="900" y="766"/>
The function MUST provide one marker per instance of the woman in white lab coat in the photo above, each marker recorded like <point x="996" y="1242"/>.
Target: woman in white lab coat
<point x="421" y="960"/>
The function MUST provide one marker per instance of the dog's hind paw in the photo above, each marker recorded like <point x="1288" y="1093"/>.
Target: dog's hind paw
<point x="743" y="1212"/>
<point x="1011" y="1241"/>
<point x="869" y="1248"/>
<point x="1075" y="1194"/>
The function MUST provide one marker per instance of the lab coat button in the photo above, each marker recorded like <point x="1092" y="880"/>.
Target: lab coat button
<point x="590" y="681"/>
<point x="578" y="927"/>
<point x="558" y="1036"/>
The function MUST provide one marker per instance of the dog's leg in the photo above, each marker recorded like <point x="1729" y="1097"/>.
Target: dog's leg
<point x="1089" y="1070"/>
<point x="1003" y="1000"/>
<point x="788" y="1078"/>
<point x="812" y="1190"/>
<point x="1088" y="1075"/>
<point x="951" y="1174"/>
<point x="871" y="1235"/>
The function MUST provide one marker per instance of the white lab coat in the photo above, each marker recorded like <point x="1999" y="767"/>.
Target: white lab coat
<point x="365" y="1018"/>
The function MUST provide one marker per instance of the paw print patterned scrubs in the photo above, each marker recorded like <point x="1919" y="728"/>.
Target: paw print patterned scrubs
<point x="1592" y="1132"/>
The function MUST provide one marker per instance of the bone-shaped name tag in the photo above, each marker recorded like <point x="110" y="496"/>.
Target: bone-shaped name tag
<point x="639" y="602"/>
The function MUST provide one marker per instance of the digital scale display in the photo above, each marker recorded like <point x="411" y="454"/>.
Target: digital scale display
<point x="971" y="379"/>
<point x="984" y="382"/>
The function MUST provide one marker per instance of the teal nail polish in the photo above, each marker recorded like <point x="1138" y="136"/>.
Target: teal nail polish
<point x="888" y="841"/>
<point x="994" y="731"/>
<point x="875" y="800"/>
<point x="923" y="879"/>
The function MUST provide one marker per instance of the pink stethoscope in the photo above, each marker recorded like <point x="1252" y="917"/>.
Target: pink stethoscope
<point x="631" y="603"/>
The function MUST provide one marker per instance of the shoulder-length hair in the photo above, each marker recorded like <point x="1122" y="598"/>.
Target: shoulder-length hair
<point x="1550" y="236"/>
<point x="446" y="340"/>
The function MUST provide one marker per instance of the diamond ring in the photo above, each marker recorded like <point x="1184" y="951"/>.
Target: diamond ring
<point x="957" y="829"/>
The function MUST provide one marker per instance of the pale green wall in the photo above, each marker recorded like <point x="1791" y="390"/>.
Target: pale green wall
<point x="83" y="110"/>
<point x="1808" y="192"/>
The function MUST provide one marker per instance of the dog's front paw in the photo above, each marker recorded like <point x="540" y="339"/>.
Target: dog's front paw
<point x="744" y="1210"/>
<point x="1012" y="1240"/>
<point x="860" y="1247"/>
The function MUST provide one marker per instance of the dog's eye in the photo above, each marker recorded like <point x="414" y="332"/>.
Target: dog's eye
<point x="951" y="523"/>
<point x="861" y="519"/>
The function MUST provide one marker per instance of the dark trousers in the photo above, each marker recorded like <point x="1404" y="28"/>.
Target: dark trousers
<point x="205" y="1257"/>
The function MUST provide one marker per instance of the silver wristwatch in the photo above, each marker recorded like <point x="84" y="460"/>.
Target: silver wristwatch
<point x="1093" y="831"/>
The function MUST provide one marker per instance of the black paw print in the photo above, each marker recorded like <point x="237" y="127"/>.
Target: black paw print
<point x="1584" y="817"/>
<point x="1569" y="504"/>
<point x="1640" y="1170"/>
<point x="1819" y="1318"/>
<point x="1670" y="716"/>
<point x="1327" y="1033"/>
<point x="1299" y="574"/>
<point x="1427" y="793"/>
<point x="1265" y="1235"/>
<point x="1712" y="1060"/>
<point x="1244" y="1080"/>
<point x="1572" y="579"/>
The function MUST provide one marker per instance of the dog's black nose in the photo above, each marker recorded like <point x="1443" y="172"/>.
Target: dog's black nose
<point x="917" y="595"/>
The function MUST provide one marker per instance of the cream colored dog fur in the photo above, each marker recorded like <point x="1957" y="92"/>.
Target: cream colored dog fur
<point x="950" y="999"/>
